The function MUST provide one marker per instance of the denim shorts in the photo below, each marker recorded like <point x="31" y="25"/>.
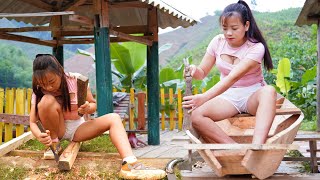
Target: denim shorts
<point x="239" y="96"/>
<point x="71" y="127"/>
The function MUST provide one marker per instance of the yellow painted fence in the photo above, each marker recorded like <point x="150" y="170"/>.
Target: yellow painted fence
<point x="17" y="101"/>
<point x="13" y="101"/>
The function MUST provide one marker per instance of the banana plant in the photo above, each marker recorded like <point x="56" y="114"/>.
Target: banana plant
<point x="283" y="76"/>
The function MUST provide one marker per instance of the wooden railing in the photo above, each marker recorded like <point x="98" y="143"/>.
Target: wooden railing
<point x="15" y="102"/>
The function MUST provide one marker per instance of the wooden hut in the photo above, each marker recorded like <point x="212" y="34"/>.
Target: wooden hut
<point x="99" y="22"/>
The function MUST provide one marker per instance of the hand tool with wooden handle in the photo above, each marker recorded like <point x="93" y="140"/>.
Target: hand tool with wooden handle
<point x="82" y="85"/>
<point x="40" y="126"/>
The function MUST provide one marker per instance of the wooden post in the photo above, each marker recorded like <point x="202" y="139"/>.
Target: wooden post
<point x="180" y="114"/>
<point x="163" y="112"/>
<point x="141" y="111"/>
<point x="58" y="53"/>
<point x="56" y="23"/>
<point x="103" y="60"/>
<point x="131" y="109"/>
<point x="9" y="110"/>
<point x="1" y="111"/>
<point x="172" y="111"/>
<point x="318" y="79"/>
<point x="153" y="80"/>
<point x="68" y="156"/>
<point x="20" y="108"/>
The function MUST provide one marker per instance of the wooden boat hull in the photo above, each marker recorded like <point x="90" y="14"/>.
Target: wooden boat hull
<point x="260" y="163"/>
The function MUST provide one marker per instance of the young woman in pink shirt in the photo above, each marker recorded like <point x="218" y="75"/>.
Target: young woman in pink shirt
<point x="55" y="104"/>
<point x="238" y="54"/>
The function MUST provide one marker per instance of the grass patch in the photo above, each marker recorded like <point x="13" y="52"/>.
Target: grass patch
<point x="308" y="125"/>
<point x="99" y="144"/>
<point x="12" y="173"/>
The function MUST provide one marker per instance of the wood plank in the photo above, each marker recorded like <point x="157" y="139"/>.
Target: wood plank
<point x="207" y="155"/>
<point x="39" y="4"/>
<point x="133" y="4"/>
<point x="27" y="39"/>
<point x="15" y="119"/>
<point x="81" y="19"/>
<point x="36" y="14"/>
<point x="14" y="143"/>
<point x="68" y="156"/>
<point x="242" y="146"/>
<point x="307" y="137"/>
<point x="138" y="39"/>
<point x="74" y="5"/>
<point x="284" y="111"/>
<point x="263" y="164"/>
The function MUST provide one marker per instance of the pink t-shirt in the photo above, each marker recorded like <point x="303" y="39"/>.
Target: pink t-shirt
<point x="248" y="51"/>
<point x="73" y="89"/>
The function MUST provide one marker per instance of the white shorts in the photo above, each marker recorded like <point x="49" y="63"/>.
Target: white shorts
<point x="71" y="127"/>
<point x="238" y="97"/>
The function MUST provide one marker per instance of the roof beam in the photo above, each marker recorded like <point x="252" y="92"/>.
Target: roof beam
<point x="82" y="30"/>
<point x="137" y="39"/>
<point x="135" y="4"/>
<point x="39" y="4"/>
<point x="36" y="14"/>
<point x="26" y="39"/>
<point x="75" y="4"/>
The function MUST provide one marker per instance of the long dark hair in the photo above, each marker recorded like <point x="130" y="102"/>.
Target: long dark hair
<point x="47" y="63"/>
<point x="253" y="34"/>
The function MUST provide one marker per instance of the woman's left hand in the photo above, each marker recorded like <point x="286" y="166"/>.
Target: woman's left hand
<point x="84" y="108"/>
<point x="193" y="101"/>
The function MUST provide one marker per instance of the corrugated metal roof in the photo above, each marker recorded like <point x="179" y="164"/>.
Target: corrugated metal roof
<point x="127" y="16"/>
<point x="310" y="8"/>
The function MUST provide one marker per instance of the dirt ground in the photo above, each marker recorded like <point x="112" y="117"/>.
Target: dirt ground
<point x="86" y="166"/>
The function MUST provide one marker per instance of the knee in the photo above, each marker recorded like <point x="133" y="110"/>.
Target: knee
<point x="48" y="102"/>
<point x="114" y="118"/>
<point x="196" y="118"/>
<point x="269" y="91"/>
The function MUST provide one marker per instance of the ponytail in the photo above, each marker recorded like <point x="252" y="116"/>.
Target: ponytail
<point x="253" y="34"/>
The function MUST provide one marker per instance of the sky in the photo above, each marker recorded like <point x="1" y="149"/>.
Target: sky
<point x="197" y="9"/>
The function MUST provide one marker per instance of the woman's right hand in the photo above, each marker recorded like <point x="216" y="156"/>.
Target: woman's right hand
<point x="45" y="138"/>
<point x="192" y="69"/>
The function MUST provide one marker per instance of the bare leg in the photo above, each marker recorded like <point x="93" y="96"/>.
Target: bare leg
<point x="51" y="116"/>
<point x="262" y="104"/>
<point x="204" y="116"/>
<point x="96" y="127"/>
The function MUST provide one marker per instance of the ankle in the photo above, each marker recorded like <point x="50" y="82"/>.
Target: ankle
<point x="130" y="159"/>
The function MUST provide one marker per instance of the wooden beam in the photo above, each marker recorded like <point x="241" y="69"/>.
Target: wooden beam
<point x="131" y="29"/>
<point x="284" y="111"/>
<point x="36" y="14"/>
<point x="15" y="119"/>
<point x="26" y="39"/>
<point x="74" y="5"/>
<point x="153" y="23"/>
<point x="59" y="4"/>
<point x="129" y="4"/>
<point x="39" y="4"/>
<point x="242" y="146"/>
<point x="137" y="39"/>
<point x="47" y="28"/>
<point x="68" y="156"/>
<point x="14" y="143"/>
<point x="81" y="19"/>
<point x="75" y="41"/>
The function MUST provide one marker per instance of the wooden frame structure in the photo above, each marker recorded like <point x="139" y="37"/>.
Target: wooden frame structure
<point x="260" y="160"/>
<point x="100" y="22"/>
